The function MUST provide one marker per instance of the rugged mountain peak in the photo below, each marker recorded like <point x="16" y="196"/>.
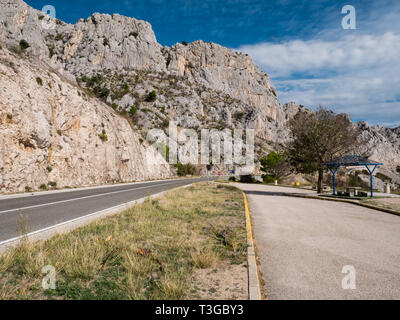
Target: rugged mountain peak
<point x="224" y="70"/>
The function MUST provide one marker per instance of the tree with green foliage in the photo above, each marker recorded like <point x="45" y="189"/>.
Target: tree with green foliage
<point x="185" y="169"/>
<point x="318" y="137"/>
<point x="275" y="166"/>
<point x="151" y="97"/>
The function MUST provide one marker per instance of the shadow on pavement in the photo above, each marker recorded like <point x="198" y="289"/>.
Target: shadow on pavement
<point x="265" y="193"/>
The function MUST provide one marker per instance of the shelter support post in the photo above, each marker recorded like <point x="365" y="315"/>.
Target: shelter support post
<point x="333" y="171"/>
<point x="371" y="178"/>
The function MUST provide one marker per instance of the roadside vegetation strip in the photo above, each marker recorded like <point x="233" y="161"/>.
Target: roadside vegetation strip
<point x="150" y="251"/>
<point x="373" y="205"/>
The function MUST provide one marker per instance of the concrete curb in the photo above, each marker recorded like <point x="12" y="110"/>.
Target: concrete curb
<point x="345" y="201"/>
<point x="70" y="225"/>
<point x="254" y="281"/>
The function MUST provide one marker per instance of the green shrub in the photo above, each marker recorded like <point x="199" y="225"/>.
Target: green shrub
<point x="43" y="186"/>
<point x="49" y="169"/>
<point x="59" y="37"/>
<point x="267" y="178"/>
<point x="165" y="123"/>
<point x="105" y="42"/>
<point x="103" y="136"/>
<point x="102" y="93"/>
<point x="53" y="184"/>
<point x="93" y="80"/>
<point x="152" y="96"/>
<point x="28" y="189"/>
<point x="23" y="44"/>
<point x="39" y="81"/>
<point x="133" y="110"/>
<point x="185" y="169"/>
<point x="233" y="179"/>
<point x="184" y="43"/>
<point x="59" y="132"/>
<point x="51" y="52"/>
<point x="126" y="88"/>
<point x="133" y="33"/>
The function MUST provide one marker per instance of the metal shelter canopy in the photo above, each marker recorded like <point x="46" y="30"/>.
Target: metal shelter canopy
<point x="352" y="161"/>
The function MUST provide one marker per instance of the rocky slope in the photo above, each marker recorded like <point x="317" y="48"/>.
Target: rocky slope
<point x="210" y="83"/>
<point x="52" y="131"/>
<point x="197" y="85"/>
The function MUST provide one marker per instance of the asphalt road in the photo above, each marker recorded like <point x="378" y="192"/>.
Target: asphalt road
<point x="45" y="210"/>
<point x="303" y="245"/>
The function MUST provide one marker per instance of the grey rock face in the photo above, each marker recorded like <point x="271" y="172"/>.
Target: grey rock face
<point x="52" y="131"/>
<point x="199" y="85"/>
<point x="104" y="43"/>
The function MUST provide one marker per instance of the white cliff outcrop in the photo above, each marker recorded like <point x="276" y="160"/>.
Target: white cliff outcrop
<point x="118" y="59"/>
<point x="52" y="131"/>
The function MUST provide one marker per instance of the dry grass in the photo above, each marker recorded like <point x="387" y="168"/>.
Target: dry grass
<point x="386" y="203"/>
<point x="147" y="252"/>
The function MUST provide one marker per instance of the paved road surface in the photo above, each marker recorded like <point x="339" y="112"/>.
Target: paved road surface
<point x="303" y="245"/>
<point x="45" y="210"/>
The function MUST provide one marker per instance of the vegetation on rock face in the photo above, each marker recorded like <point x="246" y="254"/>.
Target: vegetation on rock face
<point x="23" y="44"/>
<point x="134" y="34"/>
<point x="103" y="136"/>
<point x="317" y="138"/>
<point x="133" y="110"/>
<point x="39" y="81"/>
<point x="53" y="184"/>
<point x="151" y="97"/>
<point x="101" y="92"/>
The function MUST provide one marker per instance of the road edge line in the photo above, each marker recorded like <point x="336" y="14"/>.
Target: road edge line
<point x="71" y="225"/>
<point x="253" y="272"/>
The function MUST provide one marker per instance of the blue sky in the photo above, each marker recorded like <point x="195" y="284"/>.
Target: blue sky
<point x="310" y="58"/>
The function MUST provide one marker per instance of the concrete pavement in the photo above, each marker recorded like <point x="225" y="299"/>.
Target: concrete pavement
<point x="303" y="245"/>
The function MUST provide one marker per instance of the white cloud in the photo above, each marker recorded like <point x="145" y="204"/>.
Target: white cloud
<point x="314" y="56"/>
<point x="357" y="74"/>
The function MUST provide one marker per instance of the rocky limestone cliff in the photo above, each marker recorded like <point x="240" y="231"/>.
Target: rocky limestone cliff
<point x="52" y="131"/>
<point x="197" y="85"/>
<point x="108" y="45"/>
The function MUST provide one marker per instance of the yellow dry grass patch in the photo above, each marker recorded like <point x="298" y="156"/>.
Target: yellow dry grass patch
<point x="147" y="252"/>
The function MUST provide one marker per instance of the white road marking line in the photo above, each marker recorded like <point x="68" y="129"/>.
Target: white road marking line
<point x="69" y="221"/>
<point x="86" y="197"/>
